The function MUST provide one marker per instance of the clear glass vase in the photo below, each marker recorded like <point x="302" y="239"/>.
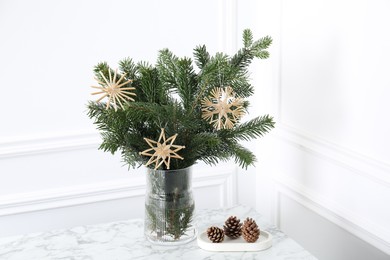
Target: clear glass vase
<point x="169" y="206"/>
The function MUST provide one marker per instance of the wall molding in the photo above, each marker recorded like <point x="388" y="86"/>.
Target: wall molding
<point x="228" y="25"/>
<point x="48" y="143"/>
<point x="98" y="192"/>
<point x="362" y="165"/>
<point x="358" y="226"/>
<point x="372" y="169"/>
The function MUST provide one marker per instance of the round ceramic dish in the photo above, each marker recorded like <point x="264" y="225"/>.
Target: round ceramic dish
<point x="239" y="244"/>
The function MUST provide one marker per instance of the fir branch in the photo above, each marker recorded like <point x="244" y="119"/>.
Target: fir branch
<point x="262" y="43"/>
<point x="262" y="55"/>
<point x="252" y="129"/>
<point x="197" y="101"/>
<point x="242" y="156"/>
<point x="247" y="38"/>
<point x="245" y="55"/>
<point x="208" y="76"/>
<point x="259" y="46"/>
<point x="169" y="96"/>
<point x="128" y="67"/>
<point x="177" y="74"/>
<point x="241" y="86"/>
<point x="217" y="72"/>
<point x="111" y="142"/>
<point x="130" y="157"/>
<point x="186" y="82"/>
<point x="202" y="57"/>
<point x="242" y="58"/>
<point x="166" y="66"/>
<point x="142" y="111"/>
<point x="150" y="85"/>
<point x="209" y="147"/>
<point x="101" y="67"/>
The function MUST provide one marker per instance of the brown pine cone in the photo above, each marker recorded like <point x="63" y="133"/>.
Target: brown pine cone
<point x="250" y="231"/>
<point x="215" y="234"/>
<point x="232" y="227"/>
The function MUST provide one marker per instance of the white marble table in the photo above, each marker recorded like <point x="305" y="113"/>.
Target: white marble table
<point x="125" y="240"/>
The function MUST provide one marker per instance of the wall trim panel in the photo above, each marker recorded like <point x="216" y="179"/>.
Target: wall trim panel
<point x="360" y="164"/>
<point x="98" y="192"/>
<point x="358" y="226"/>
<point x="25" y="146"/>
<point x="364" y="166"/>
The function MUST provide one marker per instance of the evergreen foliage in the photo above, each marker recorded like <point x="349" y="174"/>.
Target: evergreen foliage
<point x="169" y="94"/>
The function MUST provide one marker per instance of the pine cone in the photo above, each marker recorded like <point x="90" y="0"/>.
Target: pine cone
<point x="215" y="234"/>
<point x="250" y="231"/>
<point x="232" y="227"/>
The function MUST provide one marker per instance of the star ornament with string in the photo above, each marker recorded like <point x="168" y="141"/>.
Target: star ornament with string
<point x="162" y="151"/>
<point x="222" y="108"/>
<point x="114" y="90"/>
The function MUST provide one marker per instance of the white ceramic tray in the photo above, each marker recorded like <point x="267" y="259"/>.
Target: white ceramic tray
<point x="239" y="244"/>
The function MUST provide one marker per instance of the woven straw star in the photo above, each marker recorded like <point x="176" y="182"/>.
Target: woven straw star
<point x="114" y="90"/>
<point x="222" y="108"/>
<point x="164" y="150"/>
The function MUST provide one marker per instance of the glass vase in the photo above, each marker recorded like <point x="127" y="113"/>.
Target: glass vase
<point x="169" y="207"/>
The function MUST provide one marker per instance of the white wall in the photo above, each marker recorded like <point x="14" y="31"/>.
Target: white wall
<point x="51" y="173"/>
<point x="325" y="179"/>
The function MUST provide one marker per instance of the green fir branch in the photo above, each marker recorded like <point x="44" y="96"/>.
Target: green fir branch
<point x="186" y="82"/>
<point x="167" y="67"/>
<point x="252" y="129"/>
<point x="242" y="156"/>
<point x="128" y="67"/>
<point x="244" y="56"/>
<point x="169" y="96"/>
<point x="247" y="38"/>
<point x="202" y="57"/>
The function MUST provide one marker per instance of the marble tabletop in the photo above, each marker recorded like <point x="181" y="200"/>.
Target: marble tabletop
<point x="125" y="240"/>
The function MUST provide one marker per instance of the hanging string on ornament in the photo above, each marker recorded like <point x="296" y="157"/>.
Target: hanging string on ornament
<point x="222" y="108"/>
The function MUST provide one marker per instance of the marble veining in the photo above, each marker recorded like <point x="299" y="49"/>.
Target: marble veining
<point x="125" y="240"/>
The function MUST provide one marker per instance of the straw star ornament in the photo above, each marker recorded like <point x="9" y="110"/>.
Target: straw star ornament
<point x="163" y="150"/>
<point x="222" y="109"/>
<point x="113" y="90"/>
